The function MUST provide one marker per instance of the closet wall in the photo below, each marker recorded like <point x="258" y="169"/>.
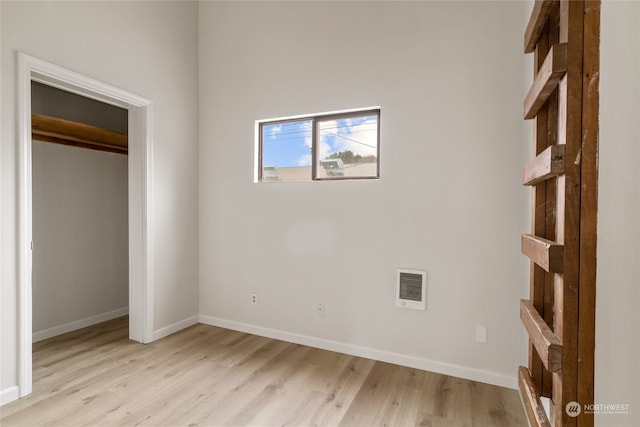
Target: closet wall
<point x="80" y="227"/>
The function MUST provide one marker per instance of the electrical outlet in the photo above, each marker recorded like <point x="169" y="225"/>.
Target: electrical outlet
<point x="481" y="334"/>
<point x="320" y="309"/>
<point x="253" y="299"/>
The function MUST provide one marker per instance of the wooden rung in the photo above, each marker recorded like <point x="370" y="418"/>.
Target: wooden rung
<point x="547" y="164"/>
<point x="531" y="399"/>
<point x="547" y="79"/>
<point x="546" y="253"/>
<point x="539" y="16"/>
<point x="544" y="340"/>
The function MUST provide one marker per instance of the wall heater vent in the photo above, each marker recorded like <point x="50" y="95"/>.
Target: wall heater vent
<point x="411" y="288"/>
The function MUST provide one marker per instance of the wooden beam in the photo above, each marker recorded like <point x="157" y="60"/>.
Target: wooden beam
<point x="567" y="285"/>
<point x="530" y="397"/>
<point x="547" y="79"/>
<point x="89" y="146"/>
<point x="59" y="131"/>
<point x="588" y="208"/>
<point x="546" y="253"/>
<point x="547" y="164"/>
<point x="544" y="340"/>
<point x="538" y="19"/>
<point x="553" y="34"/>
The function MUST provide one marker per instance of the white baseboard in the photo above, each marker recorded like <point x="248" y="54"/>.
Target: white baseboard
<point x="369" y="353"/>
<point x="9" y="394"/>
<point x="168" y="330"/>
<point x="79" y="324"/>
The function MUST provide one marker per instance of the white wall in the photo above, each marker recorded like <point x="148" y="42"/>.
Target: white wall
<point x="80" y="234"/>
<point x="618" y="281"/>
<point x="150" y="49"/>
<point x="449" y="79"/>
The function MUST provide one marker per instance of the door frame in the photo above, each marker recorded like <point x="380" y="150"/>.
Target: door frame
<point x="140" y="199"/>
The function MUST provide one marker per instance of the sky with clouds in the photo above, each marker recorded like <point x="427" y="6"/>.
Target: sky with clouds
<point x="289" y="144"/>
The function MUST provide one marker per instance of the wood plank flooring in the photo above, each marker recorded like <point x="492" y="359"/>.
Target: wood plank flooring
<point x="208" y="376"/>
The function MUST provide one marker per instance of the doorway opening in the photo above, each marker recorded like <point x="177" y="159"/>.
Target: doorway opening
<point x="80" y="251"/>
<point x="139" y="188"/>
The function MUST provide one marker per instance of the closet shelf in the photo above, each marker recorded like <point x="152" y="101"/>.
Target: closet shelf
<point x="60" y="131"/>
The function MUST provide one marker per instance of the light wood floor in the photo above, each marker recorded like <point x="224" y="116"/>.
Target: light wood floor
<point x="208" y="376"/>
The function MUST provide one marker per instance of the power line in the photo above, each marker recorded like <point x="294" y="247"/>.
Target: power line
<point x="351" y="139"/>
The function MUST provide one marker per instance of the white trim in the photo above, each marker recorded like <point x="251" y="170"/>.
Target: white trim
<point x="24" y="225"/>
<point x="171" y="329"/>
<point x="79" y="324"/>
<point x="325" y="113"/>
<point x="444" y="368"/>
<point x="140" y="171"/>
<point x="9" y="395"/>
<point x="140" y="199"/>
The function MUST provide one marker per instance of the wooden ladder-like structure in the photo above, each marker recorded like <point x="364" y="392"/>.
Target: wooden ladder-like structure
<point x="559" y="317"/>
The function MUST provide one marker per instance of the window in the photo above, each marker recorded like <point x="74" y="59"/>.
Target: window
<point x="329" y="146"/>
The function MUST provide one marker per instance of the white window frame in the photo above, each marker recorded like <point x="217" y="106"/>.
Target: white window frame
<point x="314" y="118"/>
